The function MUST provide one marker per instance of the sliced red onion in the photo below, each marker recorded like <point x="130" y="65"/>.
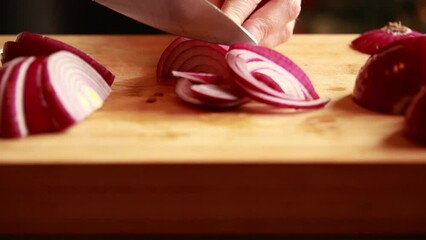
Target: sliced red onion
<point x="391" y="77"/>
<point x="207" y="78"/>
<point x="71" y="88"/>
<point x="12" y="93"/>
<point x="371" y="41"/>
<point x="279" y="60"/>
<point x="32" y="44"/>
<point x="207" y="97"/>
<point x="187" y="55"/>
<point x="416" y="118"/>
<point x="272" y="78"/>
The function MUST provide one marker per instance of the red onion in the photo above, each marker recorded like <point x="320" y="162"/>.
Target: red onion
<point x="392" y="76"/>
<point x="416" y="118"/>
<point x="32" y="44"/>
<point x="371" y="41"/>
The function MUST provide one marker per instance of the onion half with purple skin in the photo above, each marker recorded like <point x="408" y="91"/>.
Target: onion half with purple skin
<point x="415" y="118"/>
<point x="391" y="77"/>
<point x="33" y="44"/>
<point x="372" y="41"/>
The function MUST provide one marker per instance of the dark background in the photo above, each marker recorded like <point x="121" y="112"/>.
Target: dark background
<point x="318" y="16"/>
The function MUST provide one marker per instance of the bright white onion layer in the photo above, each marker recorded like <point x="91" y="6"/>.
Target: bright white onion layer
<point x="78" y="88"/>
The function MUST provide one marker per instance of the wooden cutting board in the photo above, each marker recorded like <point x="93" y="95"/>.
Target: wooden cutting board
<point x="165" y="167"/>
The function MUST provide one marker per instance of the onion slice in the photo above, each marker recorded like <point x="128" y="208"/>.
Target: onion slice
<point x="207" y="78"/>
<point x="36" y="115"/>
<point x="12" y="106"/>
<point x="208" y="96"/>
<point x="374" y="40"/>
<point x="187" y="55"/>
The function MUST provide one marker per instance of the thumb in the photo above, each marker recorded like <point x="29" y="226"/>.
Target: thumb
<point x="239" y="10"/>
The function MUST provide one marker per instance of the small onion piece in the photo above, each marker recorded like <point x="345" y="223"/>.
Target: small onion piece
<point x="187" y="55"/>
<point x="33" y="44"/>
<point x="271" y="78"/>
<point x="208" y="96"/>
<point x="391" y="77"/>
<point x="207" y="78"/>
<point x="374" y="40"/>
<point x="416" y="118"/>
<point x="71" y="88"/>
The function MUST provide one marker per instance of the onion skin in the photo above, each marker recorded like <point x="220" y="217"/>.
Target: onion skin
<point x="32" y="44"/>
<point x="392" y="76"/>
<point x="416" y="118"/>
<point x="372" y="41"/>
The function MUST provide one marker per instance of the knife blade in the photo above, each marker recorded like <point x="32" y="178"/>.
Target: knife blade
<point x="196" y="19"/>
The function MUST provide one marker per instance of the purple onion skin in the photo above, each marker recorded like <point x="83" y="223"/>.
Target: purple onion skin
<point x="416" y="118"/>
<point x="373" y="41"/>
<point x="392" y="76"/>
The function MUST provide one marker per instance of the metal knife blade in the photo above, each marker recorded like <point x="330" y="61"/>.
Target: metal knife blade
<point x="196" y="19"/>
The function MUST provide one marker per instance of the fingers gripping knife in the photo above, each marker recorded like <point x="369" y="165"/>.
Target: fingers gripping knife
<point x="196" y="19"/>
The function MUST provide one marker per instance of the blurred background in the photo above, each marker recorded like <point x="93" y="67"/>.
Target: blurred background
<point x="318" y="16"/>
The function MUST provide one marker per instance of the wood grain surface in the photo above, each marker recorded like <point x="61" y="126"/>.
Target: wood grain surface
<point x="136" y="167"/>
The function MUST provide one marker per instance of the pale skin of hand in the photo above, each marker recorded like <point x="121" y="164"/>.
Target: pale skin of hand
<point x="271" y="24"/>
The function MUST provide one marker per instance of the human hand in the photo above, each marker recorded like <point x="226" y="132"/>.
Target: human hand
<point x="271" y="22"/>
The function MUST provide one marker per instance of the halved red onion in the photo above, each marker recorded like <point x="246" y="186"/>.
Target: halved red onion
<point x="71" y="88"/>
<point x="392" y="76"/>
<point x="12" y="94"/>
<point x="416" y="118"/>
<point x="371" y="41"/>
<point x="209" y="96"/>
<point x="272" y="78"/>
<point x="32" y="44"/>
<point x="188" y="55"/>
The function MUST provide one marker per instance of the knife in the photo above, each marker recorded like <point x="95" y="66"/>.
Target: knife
<point x="196" y="19"/>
